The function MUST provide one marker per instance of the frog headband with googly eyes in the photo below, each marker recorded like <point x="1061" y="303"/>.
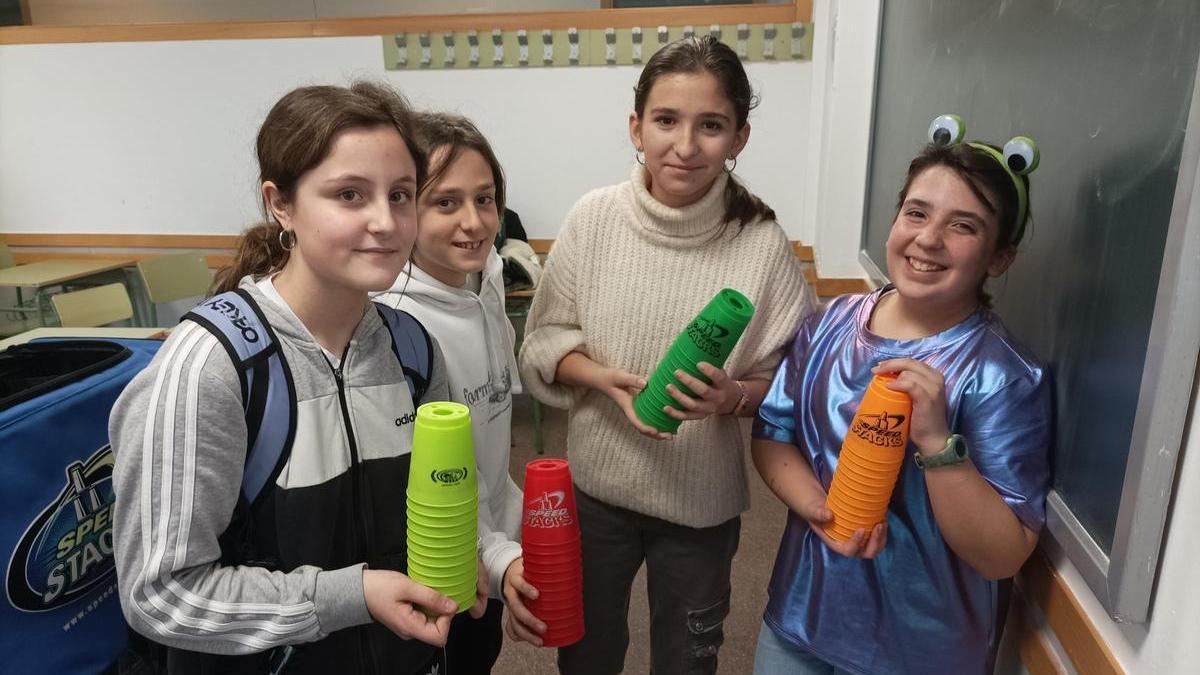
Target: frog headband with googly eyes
<point x="1019" y="158"/>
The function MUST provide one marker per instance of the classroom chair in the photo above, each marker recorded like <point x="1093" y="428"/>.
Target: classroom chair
<point x="6" y="256"/>
<point x="177" y="276"/>
<point x="18" y="315"/>
<point x="92" y="307"/>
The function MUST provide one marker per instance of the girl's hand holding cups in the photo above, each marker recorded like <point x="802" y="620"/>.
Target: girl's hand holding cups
<point x="926" y="386"/>
<point x="622" y="387"/>
<point x="400" y="603"/>
<point x="718" y="398"/>
<point x="861" y="544"/>
<point x="519" y="622"/>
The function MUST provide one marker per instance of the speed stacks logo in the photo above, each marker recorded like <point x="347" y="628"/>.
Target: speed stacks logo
<point x="68" y="549"/>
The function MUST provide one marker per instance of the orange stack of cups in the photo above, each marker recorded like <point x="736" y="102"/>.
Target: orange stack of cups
<point x="872" y="453"/>
<point x="553" y="557"/>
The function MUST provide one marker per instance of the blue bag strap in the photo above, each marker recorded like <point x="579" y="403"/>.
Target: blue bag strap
<point x="268" y="392"/>
<point x="413" y="348"/>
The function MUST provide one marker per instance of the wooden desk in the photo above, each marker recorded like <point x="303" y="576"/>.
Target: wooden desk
<point x="56" y="272"/>
<point x="36" y="333"/>
<point x="41" y="276"/>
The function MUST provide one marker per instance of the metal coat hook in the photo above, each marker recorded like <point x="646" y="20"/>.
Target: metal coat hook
<point x="798" y="31"/>
<point x="402" y="50"/>
<point x="473" y="45"/>
<point x="573" y="46"/>
<point x="523" y="47"/>
<point x="497" y="47"/>
<point x="426" y="50"/>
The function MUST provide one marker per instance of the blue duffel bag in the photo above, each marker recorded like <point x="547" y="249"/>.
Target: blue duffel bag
<point x="61" y="612"/>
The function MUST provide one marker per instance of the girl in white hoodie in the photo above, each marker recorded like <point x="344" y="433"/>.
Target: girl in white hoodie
<point x="455" y="287"/>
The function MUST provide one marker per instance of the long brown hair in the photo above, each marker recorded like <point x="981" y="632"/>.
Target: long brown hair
<point x="709" y="55"/>
<point x="455" y="133"/>
<point x="991" y="184"/>
<point x="295" y="137"/>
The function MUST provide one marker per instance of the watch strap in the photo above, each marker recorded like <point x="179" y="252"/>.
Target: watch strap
<point x="954" y="452"/>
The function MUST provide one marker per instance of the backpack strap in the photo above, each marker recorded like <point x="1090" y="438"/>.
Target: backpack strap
<point x="268" y="393"/>
<point x="413" y="348"/>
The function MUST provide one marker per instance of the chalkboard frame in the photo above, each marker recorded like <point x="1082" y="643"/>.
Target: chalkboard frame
<point x="1124" y="579"/>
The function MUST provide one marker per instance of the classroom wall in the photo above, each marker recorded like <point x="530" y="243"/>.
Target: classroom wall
<point x="834" y="199"/>
<point x="157" y="137"/>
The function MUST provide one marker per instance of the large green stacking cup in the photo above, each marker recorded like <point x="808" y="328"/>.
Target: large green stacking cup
<point x="710" y="337"/>
<point x="442" y="471"/>
<point x="443" y="502"/>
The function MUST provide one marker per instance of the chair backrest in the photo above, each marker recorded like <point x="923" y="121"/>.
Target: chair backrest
<point x="6" y="256"/>
<point x="174" y="277"/>
<point x="91" y="307"/>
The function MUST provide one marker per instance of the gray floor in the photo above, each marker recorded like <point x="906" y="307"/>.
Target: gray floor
<point x="761" y="528"/>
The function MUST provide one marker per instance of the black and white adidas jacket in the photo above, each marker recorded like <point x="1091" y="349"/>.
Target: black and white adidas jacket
<point x="179" y="435"/>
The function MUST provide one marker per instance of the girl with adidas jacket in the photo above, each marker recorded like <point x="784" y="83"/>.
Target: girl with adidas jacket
<point x="455" y="287"/>
<point x="307" y="577"/>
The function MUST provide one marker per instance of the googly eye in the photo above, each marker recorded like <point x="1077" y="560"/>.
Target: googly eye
<point x="947" y="129"/>
<point x="1021" y="155"/>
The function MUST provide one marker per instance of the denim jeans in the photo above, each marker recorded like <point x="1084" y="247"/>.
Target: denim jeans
<point x="776" y="656"/>
<point x="687" y="579"/>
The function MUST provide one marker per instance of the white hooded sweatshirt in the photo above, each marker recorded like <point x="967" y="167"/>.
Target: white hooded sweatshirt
<point x="477" y="339"/>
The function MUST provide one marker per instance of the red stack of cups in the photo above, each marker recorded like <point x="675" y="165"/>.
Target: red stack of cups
<point x="553" y="557"/>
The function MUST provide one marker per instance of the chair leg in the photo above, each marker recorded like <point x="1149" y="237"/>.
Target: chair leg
<point x="539" y="445"/>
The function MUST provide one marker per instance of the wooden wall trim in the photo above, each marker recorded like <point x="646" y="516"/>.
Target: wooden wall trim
<point x="1031" y="645"/>
<point x="1044" y="587"/>
<point x="804" y="253"/>
<point x="830" y="287"/>
<point x="781" y="13"/>
<point x="78" y="240"/>
<point x="215" y="260"/>
<point x="33" y="246"/>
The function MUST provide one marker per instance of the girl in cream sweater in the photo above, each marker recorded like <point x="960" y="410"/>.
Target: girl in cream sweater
<point x="632" y="265"/>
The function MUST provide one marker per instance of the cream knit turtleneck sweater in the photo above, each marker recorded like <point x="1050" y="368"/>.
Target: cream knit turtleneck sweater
<point x="625" y="276"/>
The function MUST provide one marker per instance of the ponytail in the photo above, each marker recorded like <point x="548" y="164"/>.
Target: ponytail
<point x="258" y="253"/>
<point x="742" y="206"/>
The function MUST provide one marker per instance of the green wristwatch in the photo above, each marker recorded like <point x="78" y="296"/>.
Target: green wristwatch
<point x="955" y="452"/>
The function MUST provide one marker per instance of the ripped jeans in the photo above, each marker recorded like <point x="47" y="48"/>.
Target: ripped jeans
<point x="687" y="579"/>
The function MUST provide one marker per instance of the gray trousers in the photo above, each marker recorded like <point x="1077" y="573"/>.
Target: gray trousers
<point x="687" y="579"/>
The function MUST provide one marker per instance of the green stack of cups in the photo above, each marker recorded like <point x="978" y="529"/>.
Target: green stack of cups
<point x="443" y="502"/>
<point x="710" y="337"/>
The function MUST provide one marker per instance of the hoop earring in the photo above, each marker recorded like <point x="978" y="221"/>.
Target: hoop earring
<point x="640" y="157"/>
<point x="729" y="169"/>
<point x="287" y="239"/>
